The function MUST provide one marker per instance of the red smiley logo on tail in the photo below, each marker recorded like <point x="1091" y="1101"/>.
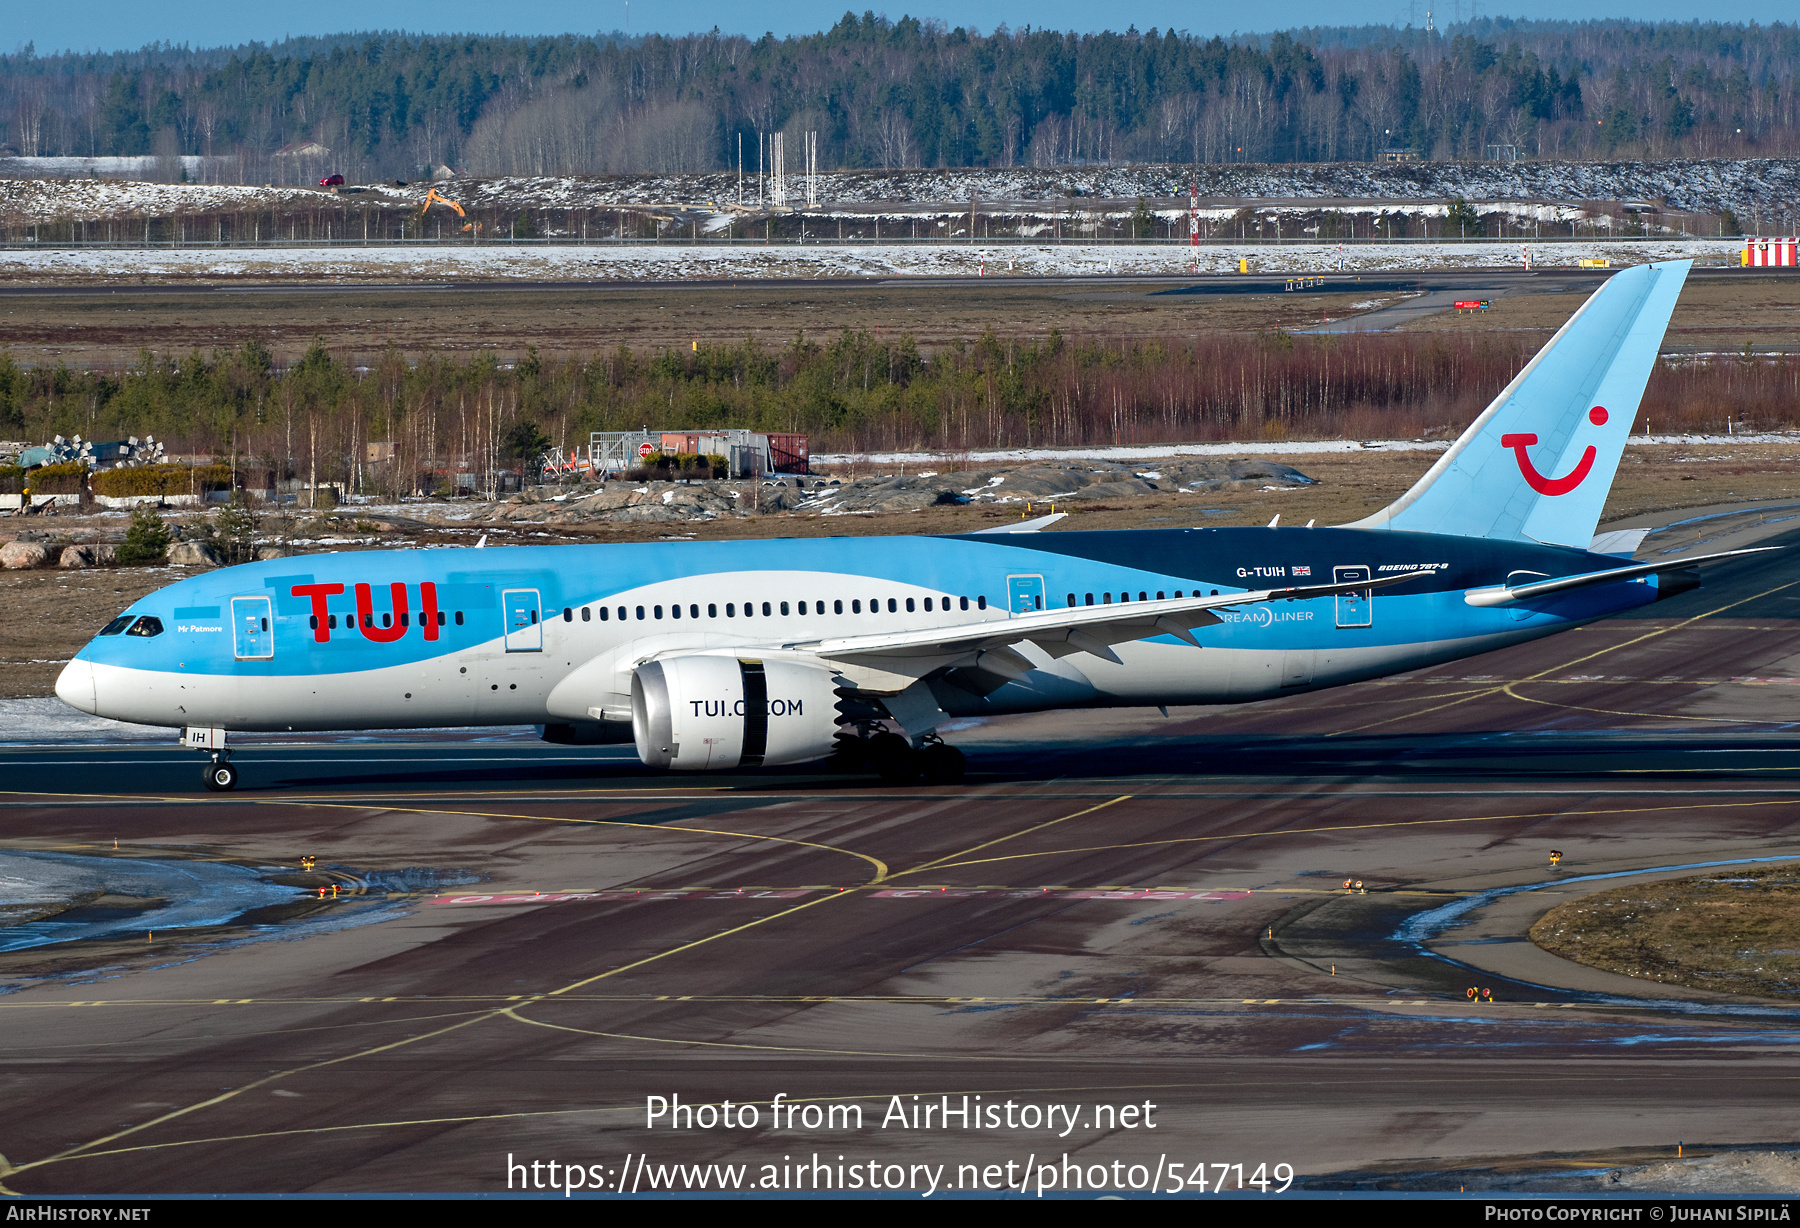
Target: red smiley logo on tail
<point x="1554" y="486"/>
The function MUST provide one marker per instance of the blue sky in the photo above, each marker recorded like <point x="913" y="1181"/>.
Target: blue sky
<point x="110" y="25"/>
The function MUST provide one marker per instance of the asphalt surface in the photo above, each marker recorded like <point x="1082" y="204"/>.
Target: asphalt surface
<point x="1113" y="909"/>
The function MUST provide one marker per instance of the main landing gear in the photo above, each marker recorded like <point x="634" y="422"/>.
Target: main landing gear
<point x="898" y="761"/>
<point x="221" y="777"/>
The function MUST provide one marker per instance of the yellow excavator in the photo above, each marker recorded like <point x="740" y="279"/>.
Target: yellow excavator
<point x="433" y="195"/>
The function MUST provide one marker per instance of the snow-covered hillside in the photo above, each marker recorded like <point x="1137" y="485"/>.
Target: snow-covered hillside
<point x="1695" y="186"/>
<point x="706" y="260"/>
<point x="1749" y="188"/>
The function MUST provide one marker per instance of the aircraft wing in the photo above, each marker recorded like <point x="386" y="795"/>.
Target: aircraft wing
<point x="1500" y="594"/>
<point x="1089" y="628"/>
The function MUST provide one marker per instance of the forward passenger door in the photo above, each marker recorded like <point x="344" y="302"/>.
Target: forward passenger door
<point x="523" y="612"/>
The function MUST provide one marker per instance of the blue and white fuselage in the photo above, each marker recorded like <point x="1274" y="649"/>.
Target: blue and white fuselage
<point x="512" y="636"/>
<point x="720" y="654"/>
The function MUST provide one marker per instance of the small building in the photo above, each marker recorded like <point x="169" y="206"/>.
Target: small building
<point x="748" y="452"/>
<point x="1761" y="253"/>
<point x="1399" y="155"/>
<point x="303" y="149"/>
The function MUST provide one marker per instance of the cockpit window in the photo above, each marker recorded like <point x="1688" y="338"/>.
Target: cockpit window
<point x="117" y="625"/>
<point x="149" y="624"/>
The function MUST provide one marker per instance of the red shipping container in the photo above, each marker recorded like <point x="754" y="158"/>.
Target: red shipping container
<point x="787" y="452"/>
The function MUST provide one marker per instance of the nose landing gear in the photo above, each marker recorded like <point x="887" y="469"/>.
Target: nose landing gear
<point x="221" y="777"/>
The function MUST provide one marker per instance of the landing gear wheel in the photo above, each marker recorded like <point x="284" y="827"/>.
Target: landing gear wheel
<point x="941" y="764"/>
<point x="221" y="777"/>
<point x="893" y="758"/>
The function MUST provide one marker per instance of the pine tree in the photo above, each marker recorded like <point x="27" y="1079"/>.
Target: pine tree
<point x="146" y="541"/>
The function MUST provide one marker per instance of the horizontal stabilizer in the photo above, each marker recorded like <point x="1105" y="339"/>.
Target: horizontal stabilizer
<point x="1023" y="526"/>
<point x="1622" y="542"/>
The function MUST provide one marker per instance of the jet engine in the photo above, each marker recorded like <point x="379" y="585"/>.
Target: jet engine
<point x="701" y="711"/>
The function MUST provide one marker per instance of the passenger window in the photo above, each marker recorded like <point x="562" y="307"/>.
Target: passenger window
<point x="534" y="618"/>
<point x="946" y="605"/>
<point x="312" y="621"/>
<point x="712" y="611"/>
<point x="603" y="613"/>
<point x="441" y="617"/>
<point x="1071" y="601"/>
<point x="784" y="609"/>
<point x="657" y="610"/>
<point x="965" y="603"/>
<point x="148" y="625"/>
<point x="1159" y="595"/>
<point x="405" y="620"/>
<point x="331" y="620"/>
<point x="568" y="614"/>
<point x="893" y="606"/>
<point x="730" y="609"/>
<point x="265" y="623"/>
<point x="1105" y="598"/>
<point x="766" y="609"/>
<point x="1144" y="596"/>
<point x="459" y="621"/>
<point x="124" y="620"/>
<point x="909" y="605"/>
<point x="1090" y="599"/>
<point x="801" y="607"/>
<point x="981" y="603"/>
<point x="928" y="605"/>
<point x="1177" y="592"/>
<point x="622" y="613"/>
<point x="855" y="606"/>
<point x="1215" y="592"/>
<point x="693" y="611"/>
<point x="674" y="611"/>
<point x="640" y="613"/>
<point x="837" y="607"/>
<point x="587" y="615"/>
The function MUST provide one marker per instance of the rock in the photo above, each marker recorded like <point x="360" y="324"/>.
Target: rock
<point x="77" y="557"/>
<point x="1132" y="488"/>
<point x="17" y="556"/>
<point x="194" y="554"/>
<point x="271" y="552"/>
<point x="624" y="502"/>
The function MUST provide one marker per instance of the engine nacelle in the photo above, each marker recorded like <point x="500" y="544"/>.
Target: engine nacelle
<point x="701" y="711"/>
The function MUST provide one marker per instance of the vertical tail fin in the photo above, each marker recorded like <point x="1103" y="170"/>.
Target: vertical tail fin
<point x="1538" y="463"/>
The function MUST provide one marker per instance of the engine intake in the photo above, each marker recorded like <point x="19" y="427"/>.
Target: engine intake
<point x="702" y="711"/>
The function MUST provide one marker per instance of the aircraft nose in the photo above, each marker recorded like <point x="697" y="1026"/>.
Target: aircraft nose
<point x="75" y="685"/>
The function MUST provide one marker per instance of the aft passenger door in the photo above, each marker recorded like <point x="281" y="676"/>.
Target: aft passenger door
<point x="252" y="638"/>
<point x="524" y="625"/>
<point x="1353" y="609"/>
<point x="1024" y="594"/>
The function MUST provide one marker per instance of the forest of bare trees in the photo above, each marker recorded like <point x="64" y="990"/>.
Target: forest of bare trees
<point x="445" y="415"/>
<point x="912" y="93"/>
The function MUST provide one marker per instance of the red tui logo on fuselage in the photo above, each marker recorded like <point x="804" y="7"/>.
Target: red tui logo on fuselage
<point x="398" y="620"/>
